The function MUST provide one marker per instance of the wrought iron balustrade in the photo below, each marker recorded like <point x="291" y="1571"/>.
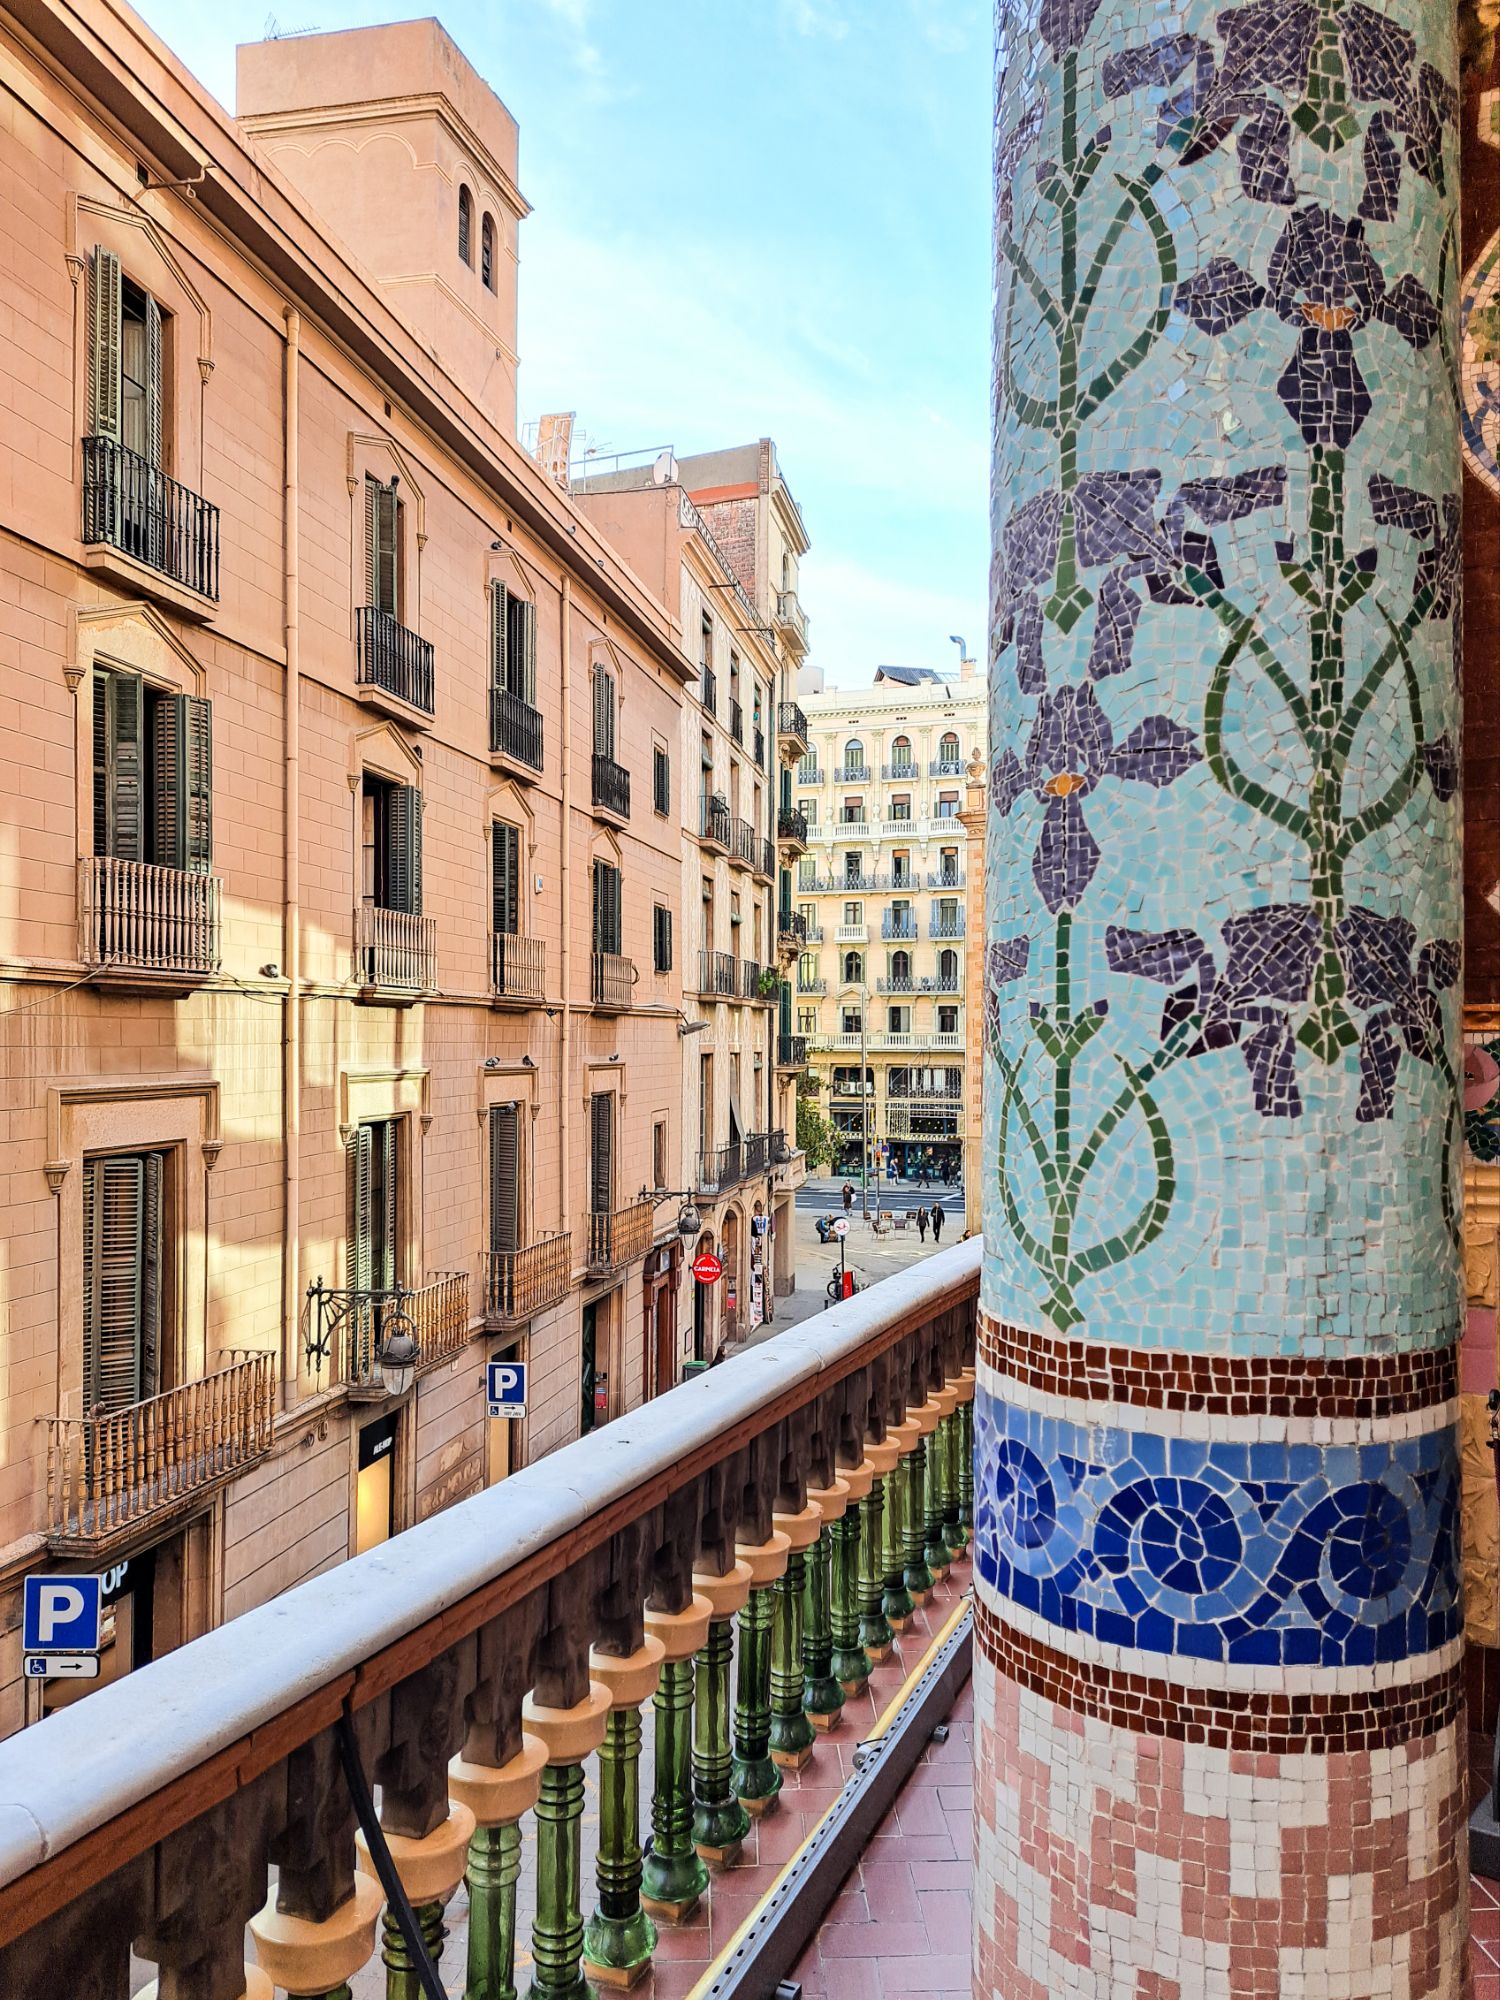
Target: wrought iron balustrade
<point x="348" y="1326"/>
<point x="709" y="681"/>
<point x="736" y="720"/>
<point x="136" y="915"/>
<point x="792" y="724"/>
<point x="893" y="926"/>
<point x="131" y="505"/>
<point x="518" y="967"/>
<point x="515" y="728"/>
<point x="394" y="950"/>
<point x="718" y="974"/>
<point x="521" y="1283"/>
<point x="613" y="981"/>
<point x="716" y="823"/>
<point x="390" y="656"/>
<point x="619" y="1236"/>
<point x="791" y="826"/>
<point x="611" y="785"/>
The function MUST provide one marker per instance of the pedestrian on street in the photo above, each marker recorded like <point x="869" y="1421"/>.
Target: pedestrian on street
<point x="922" y="1224"/>
<point x="937" y="1222"/>
<point x="848" y="1198"/>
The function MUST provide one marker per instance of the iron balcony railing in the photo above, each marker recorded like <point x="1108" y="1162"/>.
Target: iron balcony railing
<point x="393" y="658"/>
<point x="762" y="857"/>
<point x="813" y="934"/>
<point x="912" y="1121"/>
<point x="720" y="1168"/>
<point x="138" y="916"/>
<point x="791" y="1051"/>
<point x="717" y="824"/>
<point x="515" y="728"/>
<point x="911" y="769"/>
<point x="611" y="786"/>
<point x="518" y="967"/>
<point x="618" y="1236"/>
<point x="929" y="983"/>
<point x="736" y="720"/>
<point x="757" y="1153"/>
<point x="614" y="982"/>
<point x="895" y="925"/>
<point x="350" y="1326"/>
<point x="946" y="767"/>
<point x="940" y="878"/>
<point x="521" y="1283"/>
<point x="791" y="826"/>
<point x="791" y="619"/>
<point x="741" y="840"/>
<point x="718" y="974"/>
<point x="812" y="986"/>
<point x="852" y="774"/>
<point x="131" y="505"/>
<point x="946" y="925"/>
<point x="792" y="723"/>
<point x="939" y="1084"/>
<point x="710" y="689"/>
<point x="808" y="774"/>
<point x="759" y="982"/>
<point x="112" y="1474"/>
<point x="781" y="1152"/>
<point x="791" y="927"/>
<point x="838" y="885"/>
<point x="394" y="949"/>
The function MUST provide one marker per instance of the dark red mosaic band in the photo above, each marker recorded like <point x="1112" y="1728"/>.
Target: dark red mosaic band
<point x="1276" y="1385"/>
<point x="1281" y="1724"/>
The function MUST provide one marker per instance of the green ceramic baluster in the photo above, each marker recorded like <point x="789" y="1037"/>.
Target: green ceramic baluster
<point x="720" y="1822"/>
<point x="753" y="1773"/>
<point x="822" y="1697"/>
<point x="914" y="1525"/>
<point x="848" y="1664"/>
<point x="897" y="1601"/>
<point x="557" y="1929"/>
<point x="792" y="1735"/>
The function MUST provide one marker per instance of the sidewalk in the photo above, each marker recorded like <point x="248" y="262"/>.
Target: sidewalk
<point x="870" y="1257"/>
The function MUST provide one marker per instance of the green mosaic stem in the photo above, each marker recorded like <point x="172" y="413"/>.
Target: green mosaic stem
<point x="847" y="1663"/>
<point x="672" y="1875"/>
<point x="966" y="1468"/>
<point x="954" y="1532"/>
<point x="875" y="1634"/>
<point x="401" y="1978"/>
<point x="914" y="1524"/>
<point x="753" y="1774"/>
<point x="791" y="1732"/>
<point x="720" y="1822"/>
<point x="897" y="1599"/>
<point x="340" y="1992"/>
<point x="821" y="1693"/>
<point x="493" y="1869"/>
<point x="557" y="1928"/>
<point x="935" y="1550"/>
<point x="619" y="1934"/>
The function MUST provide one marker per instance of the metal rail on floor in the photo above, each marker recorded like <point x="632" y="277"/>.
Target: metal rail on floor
<point x="763" y="1953"/>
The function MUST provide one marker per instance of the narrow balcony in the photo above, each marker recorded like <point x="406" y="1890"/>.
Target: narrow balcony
<point x="808" y="774"/>
<point x="619" y="1236"/>
<point x="946" y="767"/>
<point x="757" y="1153"/>
<point x="736" y="720"/>
<point x="519" y="1284"/>
<point x="852" y="774"/>
<point x="762" y="857"/>
<point x="946" y="1041"/>
<point x="849" y="827"/>
<point x="782" y="1151"/>
<point x="901" y="828"/>
<point x="813" y="934"/>
<point x="791" y="727"/>
<point x="939" y="878"/>
<point x="716" y="824"/>
<point x="142" y="924"/>
<point x="515" y="729"/>
<point x="947" y="926"/>
<point x="155" y="523"/>
<point x="611" y="786"/>
<point x="718" y="975"/>
<point x="851" y="933"/>
<point x="394" y="952"/>
<point x="759" y="982"/>
<point x="108" y="1477"/>
<point x="791" y="930"/>
<point x="898" y="927"/>
<point x="349" y="1328"/>
<point x="899" y="773"/>
<point x="792" y="621"/>
<point x="392" y="659"/>
<point x="791" y="830"/>
<point x="518" y="969"/>
<point x="791" y="1052"/>
<point x="709" y="689"/>
<point x="741" y="842"/>
<point x="720" y="1168"/>
<point x="812" y="987"/>
<point x="613" y="983"/>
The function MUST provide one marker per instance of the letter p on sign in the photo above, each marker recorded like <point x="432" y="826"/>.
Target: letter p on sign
<point x="60" y="1614"/>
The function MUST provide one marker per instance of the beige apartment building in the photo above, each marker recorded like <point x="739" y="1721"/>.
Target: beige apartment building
<point x="736" y="604"/>
<point x="345" y="773"/>
<point x="884" y="893"/>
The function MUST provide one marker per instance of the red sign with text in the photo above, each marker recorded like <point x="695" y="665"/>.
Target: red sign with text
<point x="707" y="1269"/>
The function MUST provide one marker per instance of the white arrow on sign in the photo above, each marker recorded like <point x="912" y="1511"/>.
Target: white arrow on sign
<point x="62" y="1666"/>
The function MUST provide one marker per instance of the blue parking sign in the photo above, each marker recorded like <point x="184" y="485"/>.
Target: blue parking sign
<point x="505" y="1388"/>
<point x="60" y="1614"/>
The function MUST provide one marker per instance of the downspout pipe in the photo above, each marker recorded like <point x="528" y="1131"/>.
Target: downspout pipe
<point x="291" y="913"/>
<point x="565" y="1054"/>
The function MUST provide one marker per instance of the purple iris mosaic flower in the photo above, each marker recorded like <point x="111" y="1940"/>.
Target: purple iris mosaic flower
<point x="1439" y="568"/>
<point x="1323" y="279"/>
<point x="1270" y="956"/>
<point x="1267" y="47"/>
<point x="1379" y="55"/>
<point x="1402" y="999"/>
<point x="1005" y="962"/>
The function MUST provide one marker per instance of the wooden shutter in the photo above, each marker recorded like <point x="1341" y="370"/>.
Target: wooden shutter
<point x="104" y="316"/>
<point x="182" y="772"/>
<point x="601" y="1152"/>
<point x="153" y="380"/>
<point x="359" y="1166"/>
<point x="662" y="773"/>
<point x="403" y="826"/>
<point x="499" y="635"/>
<point x="505" y="1178"/>
<point x="523" y="649"/>
<point x="122" y="1280"/>
<point x="604" y="713"/>
<point x="119" y="791"/>
<point x="382" y="519"/>
<point x="198" y="782"/>
<point x="662" y="938"/>
<point x="384" y="1271"/>
<point x="372" y="537"/>
<point x="607" y="925"/>
<point x="505" y="860"/>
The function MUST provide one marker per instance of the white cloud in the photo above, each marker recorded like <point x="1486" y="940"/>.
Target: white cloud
<point x="575" y="18"/>
<point x="815" y="17"/>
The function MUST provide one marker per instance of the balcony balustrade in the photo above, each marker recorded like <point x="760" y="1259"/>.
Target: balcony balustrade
<point x="131" y="505"/>
<point x="611" y="786"/>
<point x="518" y="968"/>
<point x="869" y="883"/>
<point x="808" y="774"/>
<point x="852" y="774"/>
<point x="757" y="1153"/>
<point x="394" y="951"/>
<point x="812" y="986"/>
<point x="791" y="928"/>
<point x="902" y="829"/>
<point x="849" y="827"/>
<point x="782" y="1151"/>
<point x="791" y="1051"/>
<point x="894" y="773"/>
<point x="791" y="723"/>
<point x="720" y="1168"/>
<point x="613" y="983"/>
<point x="136" y="916"/>
<point x="938" y="878"/>
<point x="791" y="620"/>
<point x="351" y="1326"/>
<point x="619" y="1236"/>
<point x="716" y="822"/>
<point x="951" y="926"/>
<point x="791" y="827"/>
<point x="927" y="983"/>
<point x="518" y="1284"/>
<point x="813" y="934"/>
<point x="946" y="767"/>
<point x="515" y="729"/>
<point x="851" y="933"/>
<point x="752" y="977"/>
<point x="393" y="658"/>
<point x="947" y="1041"/>
<point x="895" y="925"/>
<point x="110" y="1476"/>
<point x="709" y="681"/>
<point x="762" y="857"/>
<point x="718" y="975"/>
<point x="736" y="720"/>
<point x="919" y="1084"/>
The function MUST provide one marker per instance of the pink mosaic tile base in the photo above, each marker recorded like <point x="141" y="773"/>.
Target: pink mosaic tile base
<point x="1118" y="1866"/>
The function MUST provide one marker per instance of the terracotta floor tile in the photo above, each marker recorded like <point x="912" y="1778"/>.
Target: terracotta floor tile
<point x="880" y="1940"/>
<point x="940" y="1973"/>
<point x="889" y="1892"/>
<point x="852" y="1978"/>
<point x="943" y="1875"/>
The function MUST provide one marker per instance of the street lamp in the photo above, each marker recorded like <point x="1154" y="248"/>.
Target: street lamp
<point x="689" y="1221"/>
<point x="397" y="1356"/>
<point x="862" y="989"/>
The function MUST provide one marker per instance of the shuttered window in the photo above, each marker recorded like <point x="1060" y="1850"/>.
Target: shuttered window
<point x="661" y="938"/>
<point x="601" y="1152"/>
<point x="512" y="643"/>
<point x="466" y="225"/>
<point x="382" y="547"/>
<point x="126" y="344"/>
<point x="661" y="780"/>
<point x="373" y="1163"/>
<point x="505" y="860"/>
<point x="607" y="924"/>
<point x="487" y="253"/>
<point x="505" y="1178"/>
<point x="153" y="774"/>
<point x="394" y="854"/>
<point x="123" y="1266"/>
<point x="604" y="713"/>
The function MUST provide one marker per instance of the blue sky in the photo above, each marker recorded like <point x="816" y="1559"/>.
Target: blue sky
<point x="763" y="218"/>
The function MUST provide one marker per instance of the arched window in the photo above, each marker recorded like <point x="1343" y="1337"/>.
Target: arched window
<point x="948" y="968"/>
<point x="854" y="968"/>
<point x="948" y="749"/>
<point x="901" y="757"/>
<point x="854" y="756"/>
<point x="900" y="968"/>
<point x="466" y="226"/>
<point x="487" y="253"/>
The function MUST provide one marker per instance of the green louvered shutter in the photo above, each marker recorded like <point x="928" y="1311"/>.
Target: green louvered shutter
<point x="104" y="317"/>
<point x="505" y="1178"/>
<point x="359" y="1162"/>
<point x="404" y="849"/>
<point x="601" y="1152"/>
<point x="198" y="783"/>
<point x="523" y="669"/>
<point x="604" y="714"/>
<point x="382" y="515"/>
<point x="505" y="858"/>
<point x="119" y="790"/>
<point x="122" y="1280"/>
<point x="500" y="621"/>
<point x="153" y="381"/>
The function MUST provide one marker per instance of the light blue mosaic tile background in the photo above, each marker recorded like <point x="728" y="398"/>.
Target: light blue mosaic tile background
<point x="1331" y="1229"/>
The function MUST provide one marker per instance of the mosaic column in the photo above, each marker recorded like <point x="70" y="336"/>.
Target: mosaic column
<point x="1217" y="1619"/>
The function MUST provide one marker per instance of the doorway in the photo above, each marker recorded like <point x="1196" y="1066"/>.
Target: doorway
<point x="375" y="1484"/>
